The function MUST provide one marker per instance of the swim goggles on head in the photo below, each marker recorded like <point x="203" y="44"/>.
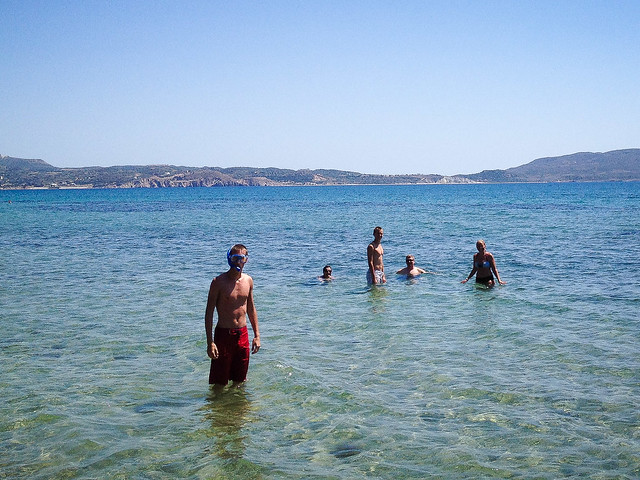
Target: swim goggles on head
<point x="236" y="258"/>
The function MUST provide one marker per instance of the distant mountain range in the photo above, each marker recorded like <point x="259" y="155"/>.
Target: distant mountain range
<point x="614" y="166"/>
<point x="20" y="173"/>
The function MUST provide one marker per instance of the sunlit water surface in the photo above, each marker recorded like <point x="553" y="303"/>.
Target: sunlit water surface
<point x="104" y="369"/>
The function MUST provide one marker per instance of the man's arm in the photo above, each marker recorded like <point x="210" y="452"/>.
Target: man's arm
<point x="253" y="319"/>
<point x="370" y="262"/>
<point x="212" y="299"/>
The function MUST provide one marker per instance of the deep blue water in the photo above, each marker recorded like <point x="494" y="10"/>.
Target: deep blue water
<point x="104" y="369"/>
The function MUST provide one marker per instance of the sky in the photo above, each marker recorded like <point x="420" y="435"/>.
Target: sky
<point x="383" y="87"/>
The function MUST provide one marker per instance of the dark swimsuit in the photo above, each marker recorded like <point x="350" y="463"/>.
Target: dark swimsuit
<point x="485" y="280"/>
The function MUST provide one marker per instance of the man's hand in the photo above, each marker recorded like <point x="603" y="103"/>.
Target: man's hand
<point x="212" y="351"/>
<point x="255" y="345"/>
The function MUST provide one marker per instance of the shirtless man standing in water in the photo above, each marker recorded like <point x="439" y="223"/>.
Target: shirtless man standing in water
<point x="375" y="274"/>
<point x="231" y="293"/>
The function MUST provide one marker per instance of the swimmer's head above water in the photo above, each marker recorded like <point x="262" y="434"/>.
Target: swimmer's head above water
<point x="237" y="256"/>
<point x="326" y="272"/>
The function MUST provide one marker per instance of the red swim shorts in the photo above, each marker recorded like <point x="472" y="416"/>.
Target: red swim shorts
<point x="233" y="356"/>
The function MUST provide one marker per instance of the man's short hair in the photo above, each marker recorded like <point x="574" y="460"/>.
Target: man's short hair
<point x="238" y="248"/>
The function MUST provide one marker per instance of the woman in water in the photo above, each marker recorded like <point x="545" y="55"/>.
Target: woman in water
<point x="483" y="265"/>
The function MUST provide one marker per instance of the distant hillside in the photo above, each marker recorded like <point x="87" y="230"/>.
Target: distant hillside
<point x="22" y="173"/>
<point x="10" y="164"/>
<point x="617" y="165"/>
<point x="614" y="166"/>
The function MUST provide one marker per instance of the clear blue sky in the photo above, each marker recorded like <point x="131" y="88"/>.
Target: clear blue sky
<point x="376" y="87"/>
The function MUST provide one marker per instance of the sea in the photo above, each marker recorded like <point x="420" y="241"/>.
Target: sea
<point x="104" y="371"/>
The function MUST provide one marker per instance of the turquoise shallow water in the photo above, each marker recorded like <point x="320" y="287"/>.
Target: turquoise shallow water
<point x="104" y="370"/>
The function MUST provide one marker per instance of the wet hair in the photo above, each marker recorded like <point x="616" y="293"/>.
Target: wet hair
<point x="238" y="248"/>
<point x="326" y="267"/>
<point x="377" y="230"/>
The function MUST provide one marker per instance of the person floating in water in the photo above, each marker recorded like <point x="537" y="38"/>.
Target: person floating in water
<point x="411" y="270"/>
<point x="375" y="273"/>
<point x="231" y="293"/>
<point x="483" y="265"/>
<point x="326" y="273"/>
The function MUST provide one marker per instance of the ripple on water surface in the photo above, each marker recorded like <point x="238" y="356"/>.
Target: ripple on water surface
<point x="103" y="352"/>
